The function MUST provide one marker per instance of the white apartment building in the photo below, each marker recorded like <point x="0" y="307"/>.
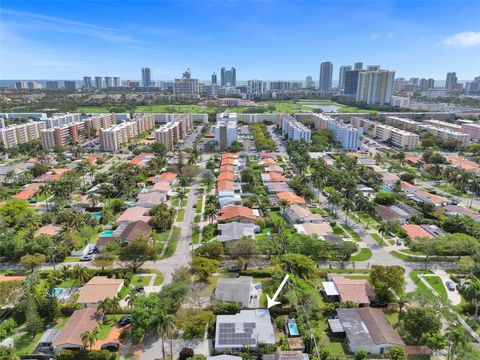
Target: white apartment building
<point x="186" y="88"/>
<point x="347" y="135"/>
<point x="402" y="123"/>
<point x="165" y="118"/>
<point x="97" y="122"/>
<point x="443" y="125"/>
<point x="225" y="130"/>
<point x="73" y="133"/>
<point x="113" y="138"/>
<point x="294" y="130"/>
<point x="321" y="121"/>
<point x="400" y="101"/>
<point x="447" y="134"/>
<point x="375" y="87"/>
<point x="61" y="120"/>
<point x="16" y="134"/>
<point x="254" y="118"/>
<point x="400" y="138"/>
<point x="16" y="116"/>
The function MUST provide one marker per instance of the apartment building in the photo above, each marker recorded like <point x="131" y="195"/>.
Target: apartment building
<point x="397" y="137"/>
<point x="345" y="134"/>
<point x="114" y="137"/>
<point x="225" y="130"/>
<point x="447" y="134"/>
<point x="73" y="133"/>
<point x="472" y="129"/>
<point x="95" y="123"/>
<point x="400" y="138"/>
<point x="17" y="116"/>
<point x="13" y="135"/>
<point x="168" y="134"/>
<point x="321" y="121"/>
<point x="294" y="130"/>
<point x="254" y="118"/>
<point x="443" y="125"/>
<point x="61" y="120"/>
<point x="166" y="118"/>
<point x="144" y="122"/>
<point x="402" y="123"/>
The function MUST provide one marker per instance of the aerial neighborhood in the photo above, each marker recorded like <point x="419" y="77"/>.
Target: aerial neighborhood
<point x="238" y="228"/>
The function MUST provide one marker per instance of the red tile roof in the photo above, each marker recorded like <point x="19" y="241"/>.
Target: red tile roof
<point x="269" y="161"/>
<point x="227" y="162"/>
<point x="225" y="185"/>
<point x="226" y="176"/>
<point x="25" y="194"/>
<point x="229" y="156"/>
<point x="416" y="231"/>
<point x="231" y="212"/>
<point x="359" y="291"/>
<point x="81" y="320"/>
<point x="161" y="186"/>
<point x="277" y="177"/>
<point x="168" y="176"/>
<point x="224" y="168"/>
<point x="291" y="197"/>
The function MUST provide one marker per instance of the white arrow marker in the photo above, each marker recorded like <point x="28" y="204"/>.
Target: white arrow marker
<point x="272" y="301"/>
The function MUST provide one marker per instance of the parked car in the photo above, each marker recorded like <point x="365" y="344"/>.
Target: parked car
<point x="111" y="346"/>
<point x="86" y="258"/>
<point x="450" y="285"/>
<point x="399" y="242"/>
<point x="124" y="321"/>
<point x="139" y="288"/>
<point x="194" y="206"/>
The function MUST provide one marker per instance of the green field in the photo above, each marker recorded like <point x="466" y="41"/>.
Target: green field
<point x="363" y="255"/>
<point x="436" y="283"/>
<point x="274" y="106"/>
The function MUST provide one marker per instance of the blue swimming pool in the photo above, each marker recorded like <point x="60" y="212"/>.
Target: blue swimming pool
<point x="96" y="216"/>
<point x="106" y="233"/>
<point x="292" y="328"/>
<point x="386" y="188"/>
<point x="57" y="291"/>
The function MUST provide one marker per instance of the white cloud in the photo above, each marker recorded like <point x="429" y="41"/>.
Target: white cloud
<point x="463" y="39"/>
<point x="374" y="36"/>
<point x="34" y="21"/>
<point x="391" y="35"/>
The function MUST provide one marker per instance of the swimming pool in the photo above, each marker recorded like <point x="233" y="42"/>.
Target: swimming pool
<point x="106" y="233"/>
<point x="56" y="291"/>
<point x="292" y="328"/>
<point x="386" y="188"/>
<point x="96" y="216"/>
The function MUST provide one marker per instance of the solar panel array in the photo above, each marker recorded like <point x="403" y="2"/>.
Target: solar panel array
<point x="228" y="336"/>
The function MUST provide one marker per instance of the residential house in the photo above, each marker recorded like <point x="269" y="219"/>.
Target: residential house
<point x="358" y="291"/>
<point x="235" y="290"/>
<point x="392" y="213"/>
<point x="453" y="210"/>
<point x="235" y="230"/>
<point x="70" y="337"/>
<point x="99" y="288"/>
<point x="298" y="214"/>
<point x="248" y="328"/>
<point x="275" y="187"/>
<point x="318" y="229"/>
<point x="415" y="232"/>
<point x="273" y="177"/>
<point x="290" y="197"/>
<point x="151" y="199"/>
<point x="366" y="329"/>
<point x="236" y="214"/>
<point x="134" y="214"/>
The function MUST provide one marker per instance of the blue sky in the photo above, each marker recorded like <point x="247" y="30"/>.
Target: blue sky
<point x="263" y="39"/>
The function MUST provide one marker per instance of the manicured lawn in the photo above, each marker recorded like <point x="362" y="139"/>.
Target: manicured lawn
<point x="199" y="208"/>
<point x="357" y="277"/>
<point x="392" y="317"/>
<point x="197" y="218"/>
<point x="414" y="276"/>
<point x="159" y="279"/>
<point x="208" y="232"/>
<point x="61" y="322"/>
<point x="337" y="230"/>
<point x="71" y="259"/>
<point x="363" y="255"/>
<point x="25" y="345"/>
<point x="378" y="239"/>
<point x="67" y="283"/>
<point x="436" y="283"/>
<point x="352" y="233"/>
<point x="181" y="215"/>
<point x="107" y="325"/>
<point x="138" y="280"/>
<point x="172" y="243"/>
<point x="195" y="235"/>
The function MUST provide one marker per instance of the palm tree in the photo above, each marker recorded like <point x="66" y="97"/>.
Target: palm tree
<point x="283" y="205"/>
<point x="132" y="295"/>
<point x="472" y="293"/>
<point x="80" y="274"/>
<point x="89" y="337"/>
<point x="456" y="336"/>
<point x="183" y="181"/>
<point x="383" y="228"/>
<point x="211" y="213"/>
<point x="370" y="210"/>
<point x="105" y="306"/>
<point x="334" y="197"/>
<point x="115" y="305"/>
<point x="170" y="331"/>
<point x="46" y="190"/>
<point x="347" y="206"/>
<point x="162" y="323"/>
<point x="401" y="302"/>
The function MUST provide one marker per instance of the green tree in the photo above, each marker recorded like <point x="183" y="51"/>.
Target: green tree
<point x="471" y="292"/>
<point x="32" y="261"/>
<point x="136" y="253"/>
<point x="211" y="250"/>
<point x="435" y="341"/>
<point x="243" y="249"/>
<point x="457" y="336"/>
<point x="81" y="274"/>
<point x="298" y="264"/>
<point x="387" y="281"/>
<point x="396" y="353"/>
<point x="203" y="267"/>
<point x="419" y="321"/>
<point x="360" y="355"/>
<point x="89" y="337"/>
<point x="33" y="321"/>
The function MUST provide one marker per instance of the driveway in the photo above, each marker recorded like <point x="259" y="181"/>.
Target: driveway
<point x="152" y="349"/>
<point x="112" y="336"/>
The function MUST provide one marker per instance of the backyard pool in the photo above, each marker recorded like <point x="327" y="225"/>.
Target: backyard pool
<point x="386" y="188"/>
<point x="292" y="328"/>
<point x="106" y="233"/>
<point x="97" y="216"/>
<point x="56" y="291"/>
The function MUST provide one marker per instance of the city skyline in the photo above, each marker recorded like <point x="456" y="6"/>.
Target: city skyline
<point x="424" y="39"/>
